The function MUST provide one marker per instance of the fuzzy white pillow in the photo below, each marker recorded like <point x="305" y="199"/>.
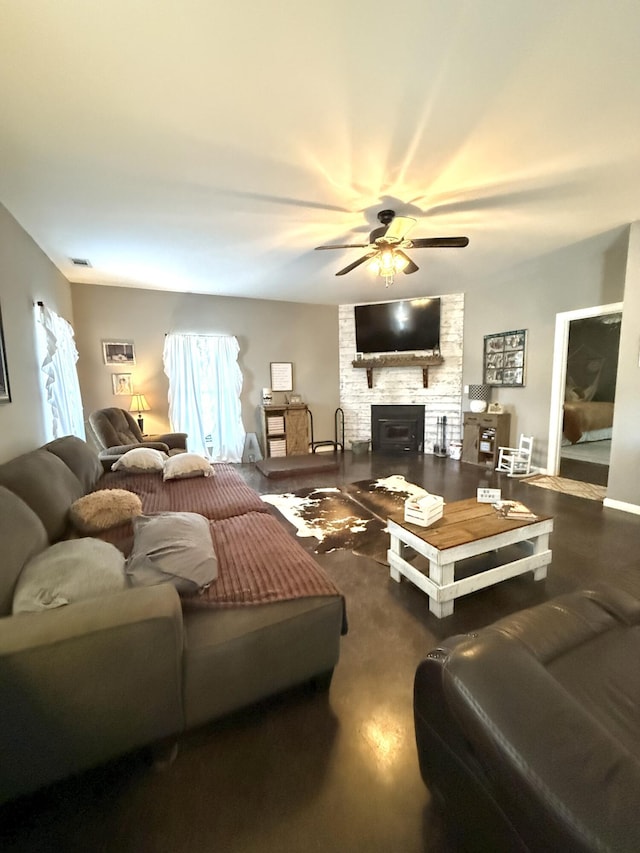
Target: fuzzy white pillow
<point x="184" y="465"/>
<point x="69" y="571"/>
<point x="140" y="460"/>
<point x="104" y="509"/>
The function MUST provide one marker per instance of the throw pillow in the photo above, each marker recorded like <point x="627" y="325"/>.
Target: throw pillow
<point x="140" y="460"/>
<point x="174" y="547"/>
<point x="69" y="571"/>
<point x="184" y="465"/>
<point x="104" y="509"/>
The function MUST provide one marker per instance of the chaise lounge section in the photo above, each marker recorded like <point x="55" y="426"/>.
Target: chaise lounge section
<point x="91" y="680"/>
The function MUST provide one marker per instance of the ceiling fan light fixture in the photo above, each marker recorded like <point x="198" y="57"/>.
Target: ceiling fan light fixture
<point x="399" y="262"/>
<point x="387" y="263"/>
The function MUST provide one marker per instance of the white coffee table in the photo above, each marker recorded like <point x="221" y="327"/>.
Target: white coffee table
<point x="467" y="529"/>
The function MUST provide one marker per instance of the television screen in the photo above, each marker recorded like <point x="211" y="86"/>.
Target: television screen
<point x="406" y="326"/>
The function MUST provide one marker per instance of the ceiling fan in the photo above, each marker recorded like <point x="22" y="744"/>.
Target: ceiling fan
<point x="386" y="244"/>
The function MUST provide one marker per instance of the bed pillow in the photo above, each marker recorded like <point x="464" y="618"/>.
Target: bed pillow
<point x="69" y="571"/>
<point x="184" y="465"/>
<point x="140" y="460"/>
<point x="172" y="547"/>
<point x="104" y="509"/>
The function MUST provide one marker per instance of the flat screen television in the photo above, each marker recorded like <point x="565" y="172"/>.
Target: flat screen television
<point x="406" y="326"/>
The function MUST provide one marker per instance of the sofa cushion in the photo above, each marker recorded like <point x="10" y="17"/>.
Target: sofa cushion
<point x="22" y="535"/>
<point x="45" y="484"/>
<point x="104" y="509"/>
<point x="185" y="465"/>
<point x="69" y="571"/>
<point x="174" y="547"/>
<point x="77" y="455"/>
<point x="141" y="460"/>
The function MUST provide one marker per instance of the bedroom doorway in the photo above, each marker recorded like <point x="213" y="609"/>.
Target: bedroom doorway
<point x="584" y="375"/>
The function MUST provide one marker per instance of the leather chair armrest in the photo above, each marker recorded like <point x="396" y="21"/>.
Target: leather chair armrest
<point x="119" y="449"/>
<point x="174" y="440"/>
<point x="86" y="682"/>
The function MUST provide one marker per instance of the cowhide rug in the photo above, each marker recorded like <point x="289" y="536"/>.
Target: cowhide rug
<point x="347" y="517"/>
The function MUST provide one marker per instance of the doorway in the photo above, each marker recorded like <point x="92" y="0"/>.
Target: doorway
<point x="584" y="380"/>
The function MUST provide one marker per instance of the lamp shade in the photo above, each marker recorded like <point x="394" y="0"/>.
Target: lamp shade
<point x="139" y="404"/>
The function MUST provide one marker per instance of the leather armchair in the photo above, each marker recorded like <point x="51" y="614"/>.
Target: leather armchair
<point x="116" y="432"/>
<point x="527" y="729"/>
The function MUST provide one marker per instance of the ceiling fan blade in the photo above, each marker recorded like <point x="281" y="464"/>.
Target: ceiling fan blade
<point x="440" y="242"/>
<point x="398" y="228"/>
<point x="410" y="267"/>
<point x="345" y="246"/>
<point x="356" y="264"/>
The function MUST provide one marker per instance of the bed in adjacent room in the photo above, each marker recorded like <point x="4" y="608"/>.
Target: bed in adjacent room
<point x="587" y="421"/>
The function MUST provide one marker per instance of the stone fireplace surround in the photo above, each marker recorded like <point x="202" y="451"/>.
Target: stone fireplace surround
<point x="403" y="385"/>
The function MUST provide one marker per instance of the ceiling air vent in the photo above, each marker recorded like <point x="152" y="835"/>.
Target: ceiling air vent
<point x="80" y="262"/>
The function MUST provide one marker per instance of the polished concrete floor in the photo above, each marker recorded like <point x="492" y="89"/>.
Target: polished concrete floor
<point x="332" y="771"/>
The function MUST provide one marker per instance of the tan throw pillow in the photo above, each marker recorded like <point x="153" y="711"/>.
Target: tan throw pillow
<point x="184" y="465"/>
<point x="104" y="509"/>
<point x="140" y="460"/>
<point x="69" y="571"/>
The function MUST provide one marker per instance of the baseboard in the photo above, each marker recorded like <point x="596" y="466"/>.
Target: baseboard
<point x="621" y="505"/>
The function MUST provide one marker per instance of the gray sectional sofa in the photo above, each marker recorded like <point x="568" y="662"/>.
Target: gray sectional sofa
<point x="91" y="680"/>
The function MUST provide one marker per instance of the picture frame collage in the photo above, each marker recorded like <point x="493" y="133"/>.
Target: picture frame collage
<point x="120" y="354"/>
<point x="504" y="361"/>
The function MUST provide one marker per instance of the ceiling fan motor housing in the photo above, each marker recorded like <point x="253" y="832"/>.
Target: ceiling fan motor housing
<point x="386" y="216"/>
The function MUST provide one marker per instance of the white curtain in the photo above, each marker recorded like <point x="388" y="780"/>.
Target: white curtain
<point x="205" y="382"/>
<point x="59" y="376"/>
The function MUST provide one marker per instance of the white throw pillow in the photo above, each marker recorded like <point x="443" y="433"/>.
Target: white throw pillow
<point x="69" y="571"/>
<point x="174" y="547"/>
<point x="141" y="460"/>
<point x="184" y="465"/>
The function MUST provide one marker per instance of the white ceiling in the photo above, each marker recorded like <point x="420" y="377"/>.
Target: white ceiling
<point x="202" y="146"/>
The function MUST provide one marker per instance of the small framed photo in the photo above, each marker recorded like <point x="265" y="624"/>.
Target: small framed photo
<point x="122" y="384"/>
<point x="504" y="358"/>
<point x="281" y="376"/>
<point x="121" y="352"/>
<point x="5" y="393"/>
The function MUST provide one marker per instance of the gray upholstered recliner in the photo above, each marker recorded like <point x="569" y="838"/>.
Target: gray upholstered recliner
<point x="116" y="431"/>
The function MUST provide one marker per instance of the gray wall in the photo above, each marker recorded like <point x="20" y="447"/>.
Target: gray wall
<point x="26" y="276"/>
<point x="624" y="483"/>
<point x="267" y="331"/>
<point x="529" y="297"/>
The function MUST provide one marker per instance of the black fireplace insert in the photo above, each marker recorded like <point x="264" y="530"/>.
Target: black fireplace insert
<point x="397" y="429"/>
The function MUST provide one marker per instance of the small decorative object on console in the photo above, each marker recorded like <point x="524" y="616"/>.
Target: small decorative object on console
<point x="425" y="510"/>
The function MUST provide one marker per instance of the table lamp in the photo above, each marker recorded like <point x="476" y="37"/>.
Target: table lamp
<point x="138" y="405"/>
<point x="479" y="397"/>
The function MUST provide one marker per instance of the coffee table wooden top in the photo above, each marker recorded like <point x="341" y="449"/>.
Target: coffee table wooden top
<point x="463" y="522"/>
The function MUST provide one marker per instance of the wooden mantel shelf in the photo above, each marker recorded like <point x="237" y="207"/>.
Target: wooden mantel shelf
<point x="423" y="361"/>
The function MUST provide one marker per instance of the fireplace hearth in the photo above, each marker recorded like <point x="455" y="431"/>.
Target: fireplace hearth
<point x="397" y="429"/>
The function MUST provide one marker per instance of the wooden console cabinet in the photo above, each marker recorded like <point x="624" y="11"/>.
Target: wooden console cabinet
<point x="286" y="430"/>
<point x="482" y="435"/>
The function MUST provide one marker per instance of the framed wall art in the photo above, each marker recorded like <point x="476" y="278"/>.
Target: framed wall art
<point x="122" y="384"/>
<point x="5" y="392"/>
<point x="281" y="376"/>
<point x="505" y="358"/>
<point x="121" y="352"/>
